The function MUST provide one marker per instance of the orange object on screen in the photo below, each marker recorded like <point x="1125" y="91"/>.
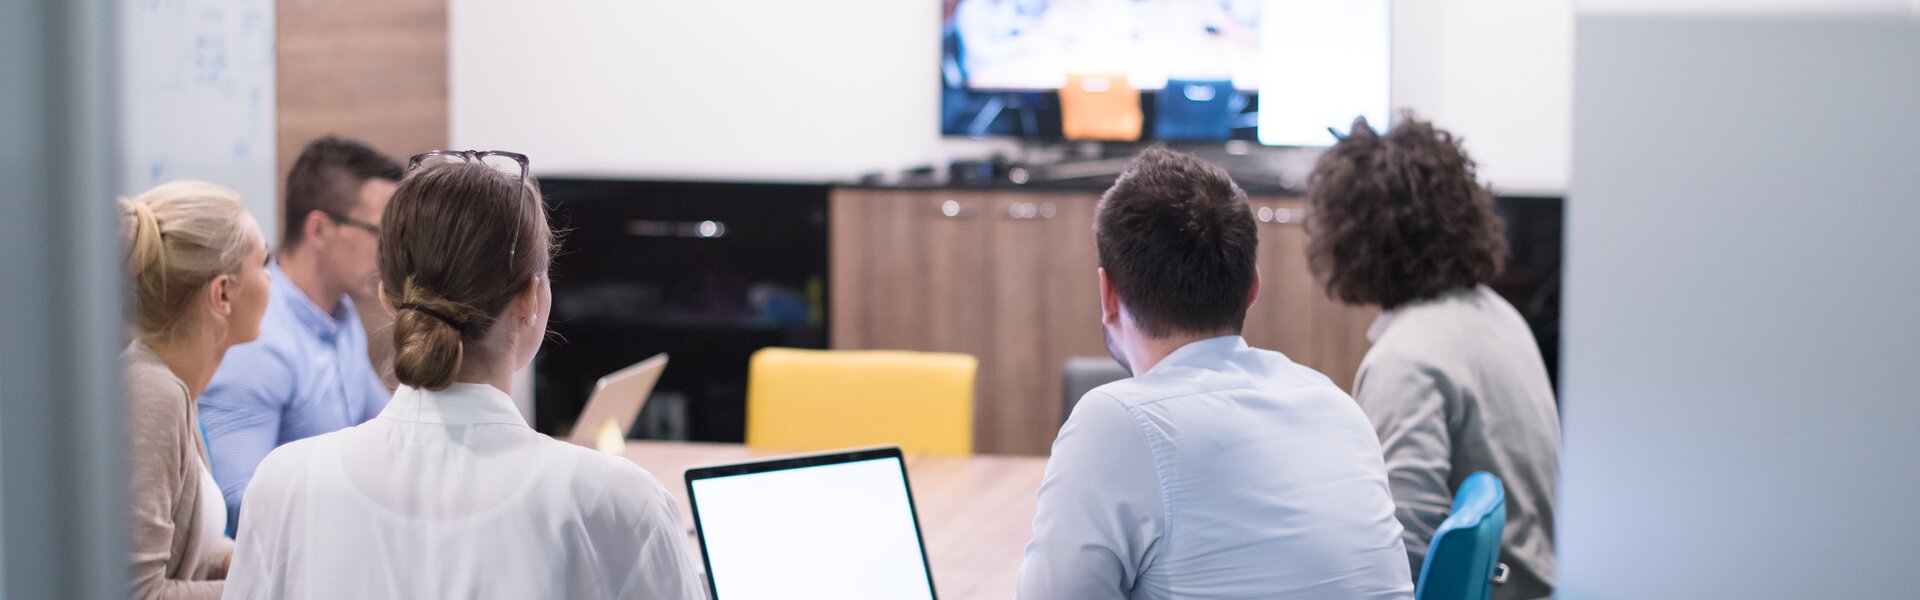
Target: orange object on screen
<point x="1097" y="106"/>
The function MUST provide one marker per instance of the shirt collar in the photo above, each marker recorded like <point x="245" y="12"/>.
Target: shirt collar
<point x="1386" y="318"/>
<point x="459" y="404"/>
<point x="311" y="317"/>
<point x="1204" y="352"/>
<point x="1380" y="325"/>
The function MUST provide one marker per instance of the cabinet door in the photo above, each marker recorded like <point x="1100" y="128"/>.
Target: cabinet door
<point x="1073" y="296"/>
<point x="1282" y="317"/>
<point x="909" y="270"/>
<point x="1340" y="339"/>
<point x="1046" y="308"/>
<point x="1009" y="412"/>
<point x="1294" y="314"/>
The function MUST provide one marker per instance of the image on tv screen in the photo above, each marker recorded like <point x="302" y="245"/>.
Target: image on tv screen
<point x="1278" y="71"/>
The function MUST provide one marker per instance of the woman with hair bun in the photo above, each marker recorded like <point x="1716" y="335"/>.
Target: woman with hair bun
<point x="196" y="263"/>
<point x="448" y="493"/>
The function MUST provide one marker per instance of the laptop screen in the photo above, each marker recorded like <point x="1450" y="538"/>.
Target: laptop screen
<point x="830" y="526"/>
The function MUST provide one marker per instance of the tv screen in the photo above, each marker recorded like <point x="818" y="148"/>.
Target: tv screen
<point x="1277" y="71"/>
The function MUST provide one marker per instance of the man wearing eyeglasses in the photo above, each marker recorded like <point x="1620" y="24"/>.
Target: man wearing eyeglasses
<point x="309" y="372"/>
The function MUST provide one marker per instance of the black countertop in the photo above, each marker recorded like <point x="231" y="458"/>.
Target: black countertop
<point x="1083" y="185"/>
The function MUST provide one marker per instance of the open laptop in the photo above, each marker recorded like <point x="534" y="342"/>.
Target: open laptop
<point x="616" y="402"/>
<point x="838" y="525"/>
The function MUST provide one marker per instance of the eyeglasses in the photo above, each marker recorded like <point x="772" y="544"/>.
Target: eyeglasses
<point x="512" y="164"/>
<point x="340" y="219"/>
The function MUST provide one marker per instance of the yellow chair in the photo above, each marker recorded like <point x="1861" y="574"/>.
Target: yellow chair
<point x="806" y="400"/>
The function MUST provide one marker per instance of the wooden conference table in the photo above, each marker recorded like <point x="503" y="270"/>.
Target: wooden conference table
<point x="976" y="512"/>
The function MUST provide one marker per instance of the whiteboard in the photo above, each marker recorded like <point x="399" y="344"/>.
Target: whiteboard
<point x="197" y="98"/>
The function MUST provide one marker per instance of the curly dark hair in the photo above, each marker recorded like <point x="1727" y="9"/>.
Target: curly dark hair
<point x="1177" y="238"/>
<point x="1400" y="218"/>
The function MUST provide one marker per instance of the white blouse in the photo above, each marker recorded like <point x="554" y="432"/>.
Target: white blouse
<point x="450" y="494"/>
<point x="213" y="518"/>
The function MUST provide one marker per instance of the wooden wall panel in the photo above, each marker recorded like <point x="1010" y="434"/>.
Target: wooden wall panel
<point x="373" y="70"/>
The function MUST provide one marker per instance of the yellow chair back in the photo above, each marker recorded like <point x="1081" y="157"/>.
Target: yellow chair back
<point x="806" y="400"/>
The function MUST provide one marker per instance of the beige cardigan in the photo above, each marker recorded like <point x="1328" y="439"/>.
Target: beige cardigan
<point x="167" y="455"/>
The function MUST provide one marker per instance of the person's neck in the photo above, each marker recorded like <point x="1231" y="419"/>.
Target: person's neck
<point x="487" y="372"/>
<point x="302" y="268"/>
<point x="1145" y="352"/>
<point x="192" y="359"/>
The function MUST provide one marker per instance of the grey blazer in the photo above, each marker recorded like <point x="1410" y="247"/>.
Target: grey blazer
<point x="1454" y="385"/>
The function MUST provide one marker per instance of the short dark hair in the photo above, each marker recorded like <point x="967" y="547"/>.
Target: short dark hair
<point x="327" y="178"/>
<point x="1400" y="218"/>
<point x="1178" y="241"/>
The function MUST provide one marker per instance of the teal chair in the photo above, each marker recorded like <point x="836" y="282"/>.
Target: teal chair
<point x="1463" y="559"/>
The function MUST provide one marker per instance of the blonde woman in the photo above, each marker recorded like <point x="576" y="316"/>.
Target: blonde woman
<point x="196" y="264"/>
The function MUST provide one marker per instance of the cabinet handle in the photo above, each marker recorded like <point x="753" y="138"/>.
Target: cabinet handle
<point x="672" y="229"/>
<point x="1268" y="214"/>
<point x="1030" y="211"/>
<point x="954" y="209"/>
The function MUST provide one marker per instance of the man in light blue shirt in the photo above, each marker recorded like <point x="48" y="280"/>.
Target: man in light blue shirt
<point x="1218" y="470"/>
<point x="309" y="372"/>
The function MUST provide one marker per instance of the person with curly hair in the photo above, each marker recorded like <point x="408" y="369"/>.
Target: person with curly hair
<point x="1454" y="382"/>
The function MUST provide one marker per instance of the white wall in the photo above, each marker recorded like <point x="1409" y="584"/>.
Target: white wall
<point x="697" y="89"/>
<point x="1498" y="73"/>
<point x="1742" y="349"/>
<point x="830" y="89"/>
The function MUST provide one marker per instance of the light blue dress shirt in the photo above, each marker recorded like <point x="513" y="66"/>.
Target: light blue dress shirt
<point x="1223" y="472"/>
<point x="307" y="374"/>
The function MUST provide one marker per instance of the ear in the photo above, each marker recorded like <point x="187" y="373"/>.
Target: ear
<point x="316" y="222"/>
<point x="1253" y="293"/>
<point x="525" y="303"/>
<point x="386" y="304"/>
<point x="1109" y="300"/>
<point x="220" y="295"/>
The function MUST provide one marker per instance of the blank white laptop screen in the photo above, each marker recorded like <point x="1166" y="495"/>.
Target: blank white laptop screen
<point x="829" y="526"/>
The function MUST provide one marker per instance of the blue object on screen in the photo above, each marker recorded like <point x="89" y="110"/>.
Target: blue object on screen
<point x="1197" y="110"/>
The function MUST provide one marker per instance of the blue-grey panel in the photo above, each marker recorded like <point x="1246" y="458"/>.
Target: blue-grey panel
<point x="1742" y="317"/>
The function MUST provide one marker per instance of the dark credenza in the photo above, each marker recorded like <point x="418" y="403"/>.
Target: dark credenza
<point x="706" y="272"/>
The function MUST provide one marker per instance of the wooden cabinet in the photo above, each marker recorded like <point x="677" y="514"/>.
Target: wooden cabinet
<point x="909" y="270"/>
<point x="1046" y="308"/>
<point x="1007" y="277"/>
<point x="1011" y="277"/>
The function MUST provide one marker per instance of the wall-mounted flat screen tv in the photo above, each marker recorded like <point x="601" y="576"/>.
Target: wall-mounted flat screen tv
<point x="1280" y="72"/>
